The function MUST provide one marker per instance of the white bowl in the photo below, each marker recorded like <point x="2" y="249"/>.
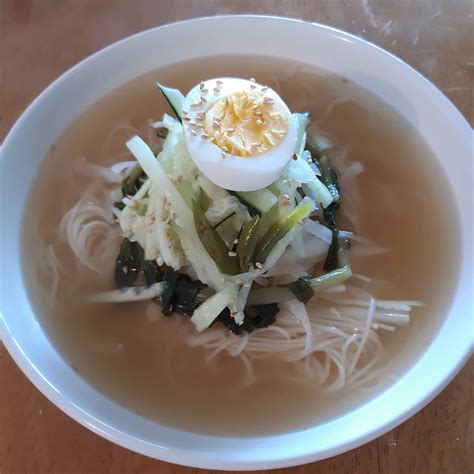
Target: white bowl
<point x="436" y="119"/>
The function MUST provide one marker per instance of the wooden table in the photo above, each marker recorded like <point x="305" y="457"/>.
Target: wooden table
<point x="40" y="39"/>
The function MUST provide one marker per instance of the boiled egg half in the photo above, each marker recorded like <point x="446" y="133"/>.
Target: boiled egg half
<point x="240" y="134"/>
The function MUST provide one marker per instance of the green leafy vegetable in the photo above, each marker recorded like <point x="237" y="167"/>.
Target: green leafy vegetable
<point x="279" y="230"/>
<point x="213" y="243"/>
<point x="303" y="289"/>
<point x="248" y="242"/>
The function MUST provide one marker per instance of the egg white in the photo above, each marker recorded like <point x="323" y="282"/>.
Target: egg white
<point x="224" y="169"/>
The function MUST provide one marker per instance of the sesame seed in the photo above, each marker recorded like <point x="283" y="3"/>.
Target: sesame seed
<point x="264" y="88"/>
<point x="203" y="100"/>
<point x="259" y="122"/>
<point x="230" y="130"/>
<point x="267" y="100"/>
<point x="193" y="132"/>
<point x="216" y="90"/>
<point x="255" y="107"/>
<point x="204" y="91"/>
<point x="201" y="115"/>
<point x="193" y="106"/>
<point x="219" y="83"/>
<point x="258" y="113"/>
<point x="255" y="144"/>
<point x="252" y="79"/>
<point x="232" y="254"/>
<point x="185" y="112"/>
<point x="202" y="85"/>
<point x="259" y="265"/>
<point x="186" y="119"/>
<point x="253" y="86"/>
<point x="204" y="136"/>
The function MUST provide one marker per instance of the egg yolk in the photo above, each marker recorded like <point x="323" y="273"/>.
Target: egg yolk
<point x="246" y="123"/>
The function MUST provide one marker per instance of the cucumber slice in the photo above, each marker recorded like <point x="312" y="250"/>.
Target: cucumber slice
<point x="174" y="98"/>
<point x="259" y="201"/>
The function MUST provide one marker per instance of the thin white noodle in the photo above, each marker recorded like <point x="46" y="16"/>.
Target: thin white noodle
<point x="333" y="338"/>
<point x="365" y="335"/>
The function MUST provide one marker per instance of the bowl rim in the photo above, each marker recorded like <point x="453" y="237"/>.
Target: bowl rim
<point x="200" y="458"/>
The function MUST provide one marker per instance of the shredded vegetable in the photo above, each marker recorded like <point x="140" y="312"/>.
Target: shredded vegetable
<point x="216" y="251"/>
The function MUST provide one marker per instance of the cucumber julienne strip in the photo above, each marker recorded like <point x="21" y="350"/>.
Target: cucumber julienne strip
<point x="174" y="98"/>
<point x="205" y="267"/>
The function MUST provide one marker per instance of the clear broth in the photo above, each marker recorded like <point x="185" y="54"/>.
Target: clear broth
<point x="143" y="364"/>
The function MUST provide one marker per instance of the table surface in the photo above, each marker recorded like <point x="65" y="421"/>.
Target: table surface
<point x="40" y="39"/>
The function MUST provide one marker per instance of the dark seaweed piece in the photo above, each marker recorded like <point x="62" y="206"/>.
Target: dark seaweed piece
<point x="171" y="280"/>
<point x="152" y="271"/>
<point x="266" y="315"/>
<point x="256" y="317"/>
<point x="328" y="174"/>
<point x="331" y="262"/>
<point x="128" y="264"/>
<point x="185" y="299"/>
<point x="338" y="253"/>
<point x="119" y="205"/>
<point x="229" y="322"/>
<point x="330" y="215"/>
<point x="329" y="178"/>
<point x="131" y="182"/>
